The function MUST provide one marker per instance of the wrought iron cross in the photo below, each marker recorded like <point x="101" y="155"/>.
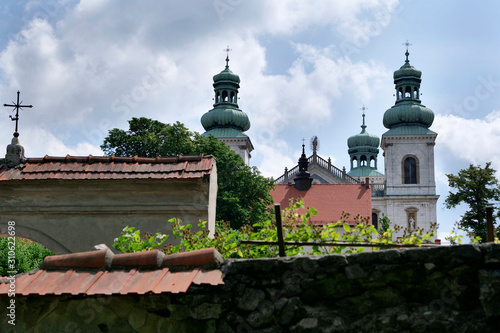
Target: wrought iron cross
<point x="227" y="50"/>
<point x="17" y="106"/>
<point x="407" y="44"/>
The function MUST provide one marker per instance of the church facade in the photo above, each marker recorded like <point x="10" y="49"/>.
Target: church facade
<point x="406" y="192"/>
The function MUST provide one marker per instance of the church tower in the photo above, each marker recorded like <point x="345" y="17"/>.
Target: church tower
<point x="363" y="152"/>
<point x="410" y="188"/>
<point x="226" y="121"/>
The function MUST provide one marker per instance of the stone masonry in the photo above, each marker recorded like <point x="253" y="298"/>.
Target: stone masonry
<point x="443" y="289"/>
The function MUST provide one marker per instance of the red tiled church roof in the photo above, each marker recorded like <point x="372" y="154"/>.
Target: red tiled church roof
<point x="103" y="273"/>
<point x="113" y="167"/>
<point x="330" y="200"/>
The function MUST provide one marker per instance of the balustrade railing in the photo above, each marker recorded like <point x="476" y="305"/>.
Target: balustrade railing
<point x="326" y="165"/>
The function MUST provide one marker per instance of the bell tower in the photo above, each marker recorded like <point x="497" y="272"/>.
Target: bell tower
<point x="363" y="152"/>
<point x="410" y="188"/>
<point x="226" y="121"/>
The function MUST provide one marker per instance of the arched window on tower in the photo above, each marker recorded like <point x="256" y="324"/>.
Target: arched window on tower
<point x="415" y="93"/>
<point x="232" y="99"/>
<point x="224" y="96"/>
<point x="372" y="159"/>
<point x="400" y="94"/>
<point x="217" y="97"/>
<point x="354" y="162"/>
<point x="363" y="160"/>
<point x="407" y="92"/>
<point x="410" y="170"/>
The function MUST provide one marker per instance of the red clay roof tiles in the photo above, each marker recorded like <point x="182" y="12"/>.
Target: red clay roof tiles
<point x="99" y="167"/>
<point x="131" y="273"/>
<point x="330" y="200"/>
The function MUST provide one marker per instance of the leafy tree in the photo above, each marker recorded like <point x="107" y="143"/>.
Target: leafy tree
<point x="476" y="187"/>
<point x="28" y="255"/>
<point x="243" y="193"/>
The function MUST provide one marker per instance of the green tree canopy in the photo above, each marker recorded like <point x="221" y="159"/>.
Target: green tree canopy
<point x="476" y="187"/>
<point x="243" y="195"/>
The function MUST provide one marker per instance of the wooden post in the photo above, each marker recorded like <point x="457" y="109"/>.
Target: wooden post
<point x="489" y="223"/>
<point x="279" y="230"/>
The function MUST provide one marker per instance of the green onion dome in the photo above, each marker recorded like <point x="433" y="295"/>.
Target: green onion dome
<point x="363" y="139"/>
<point x="226" y="75"/>
<point x="408" y="113"/>
<point x="407" y="70"/>
<point x="408" y="110"/>
<point x="225" y="117"/>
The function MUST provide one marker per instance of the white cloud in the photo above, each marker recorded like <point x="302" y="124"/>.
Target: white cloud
<point x="93" y="66"/>
<point x="473" y="140"/>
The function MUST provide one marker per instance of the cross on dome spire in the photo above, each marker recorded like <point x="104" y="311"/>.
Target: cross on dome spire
<point x="227" y="50"/>
<point x="407" y="44"/>
<point x="16" y="107"/>
<point x="363" y="108"/>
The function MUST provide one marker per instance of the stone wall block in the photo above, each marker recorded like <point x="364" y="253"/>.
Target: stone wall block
<point x="137" y="318"/>
<point x="206" y="311"/>
<point x="489" y="294"/>
<point x="251" y="299"/>
<point x="491" y="252"/>
<point x="355" y="272"/>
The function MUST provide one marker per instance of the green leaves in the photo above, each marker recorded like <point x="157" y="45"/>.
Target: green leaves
<point x="28" y="255"/>
<point x="130" y="241"/>
<point x="296" y="228"/>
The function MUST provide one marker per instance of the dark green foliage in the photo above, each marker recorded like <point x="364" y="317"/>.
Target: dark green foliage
<point x="476" y="187"/>
<point x="29" y="255"/>
<point x="296" y="228"/>
<point x="243" y="193"/>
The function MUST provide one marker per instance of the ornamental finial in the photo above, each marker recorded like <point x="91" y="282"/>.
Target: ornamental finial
<point x="227" y="50"/>
<point x="363" y="108"/>
<point x="407" y="44"/>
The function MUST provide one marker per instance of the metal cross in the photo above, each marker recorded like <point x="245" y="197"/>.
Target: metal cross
<point x="363" y="108"/>
<point x="407" y="44"/>
<point x="17" y="106"/>
<point x="227" y="49"/>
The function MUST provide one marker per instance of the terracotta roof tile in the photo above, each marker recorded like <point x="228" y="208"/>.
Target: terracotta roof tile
<point x="330" y="200"/>
<point x="193" y="258"/>
<point x="99" y="167"/>
<point x="103" y="273"/>
<point x="146" y="258"/>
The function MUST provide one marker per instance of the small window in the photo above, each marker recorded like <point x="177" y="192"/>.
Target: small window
<point x="407" y="92"/>
<point x="410" y="171"/>
<point x="375" y="220"/>
<point x="363" y="160"/>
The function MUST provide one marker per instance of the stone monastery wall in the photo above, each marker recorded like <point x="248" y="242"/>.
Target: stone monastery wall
<point x="443" y="289"/>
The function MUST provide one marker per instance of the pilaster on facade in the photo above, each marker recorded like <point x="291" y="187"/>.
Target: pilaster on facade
<point x="241" y="146"/>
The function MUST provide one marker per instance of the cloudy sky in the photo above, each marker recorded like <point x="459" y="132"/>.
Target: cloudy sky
<point x="306" y="68"/>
